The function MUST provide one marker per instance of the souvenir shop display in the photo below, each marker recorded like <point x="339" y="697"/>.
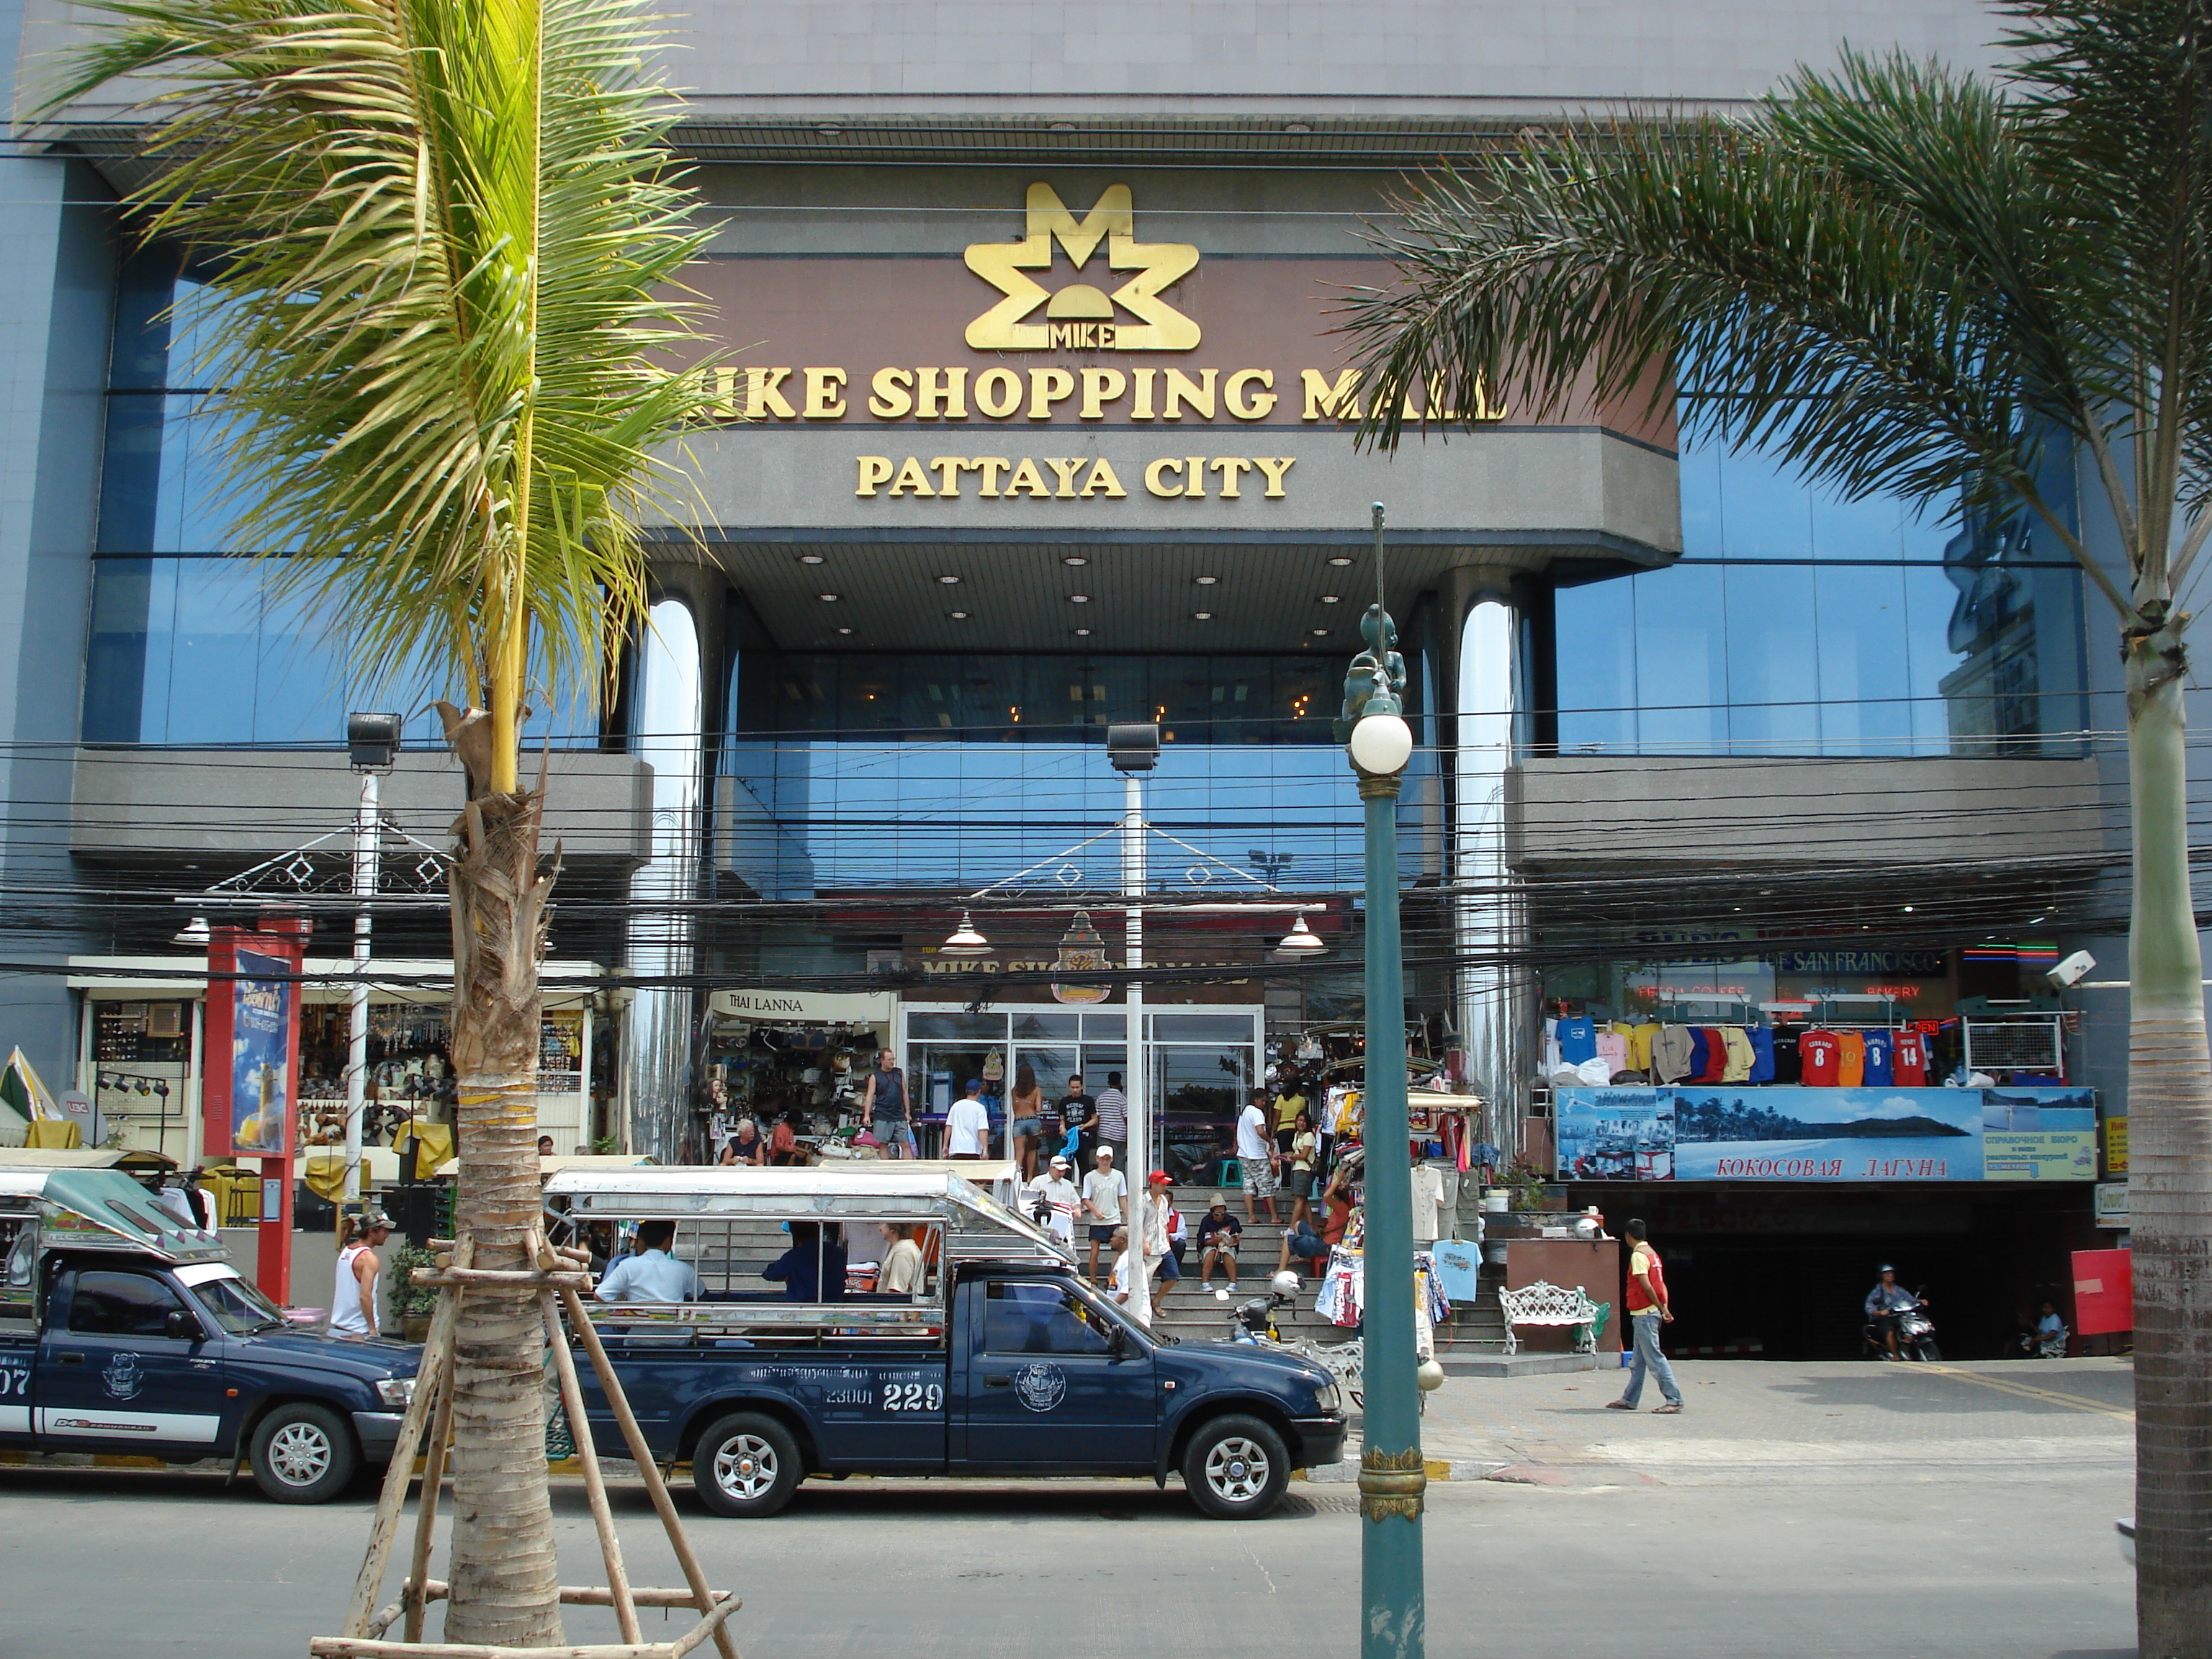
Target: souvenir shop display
<point x="1822" y="1043"/>
<point x="808" y="1076"/>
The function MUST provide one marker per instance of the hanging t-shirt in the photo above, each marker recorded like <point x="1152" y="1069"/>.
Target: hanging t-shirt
<point x="1695" y="1070"/>
<point x="1716" y="1057"/>
<point x="1851" y="1062"/>
<point x="1672" y="1050"/>
<point x="1612" y="1050"/>
<point x="1881" y="1055"/>
<point x="1789" y="1065"/>
<point x="1820" y="1052"/>
<point x="1762" y="1054"/>
<point x="1738" y="1044"/>
<point x="1910" y="1065"/>
<point x="1577" y="1041"/>
<point x="1639" y="1046"/>
<point x="1428" y="1204"/>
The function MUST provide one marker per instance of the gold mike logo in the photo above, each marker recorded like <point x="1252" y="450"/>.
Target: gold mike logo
<point x="1081" y="316"/>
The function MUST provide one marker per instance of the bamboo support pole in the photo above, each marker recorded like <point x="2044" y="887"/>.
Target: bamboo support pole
<point x="358" y="1647"/>
<point x="529" y="1277"/>
<point x="595" y="1487"/>
<point x="425" y="1509"/>
<point x="656" y="1488"/>
<point x="437" y="1356"/>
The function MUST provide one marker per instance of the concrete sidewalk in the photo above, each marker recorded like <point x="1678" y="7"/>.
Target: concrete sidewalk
<point x="1751" y="1422"/>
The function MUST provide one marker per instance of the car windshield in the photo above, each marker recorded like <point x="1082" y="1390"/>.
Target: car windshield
<point x="237" y="1306"/>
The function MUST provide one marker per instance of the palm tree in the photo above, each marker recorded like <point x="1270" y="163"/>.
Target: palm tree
<point x="446" y="234"/>
<point x="1901" y="277"/>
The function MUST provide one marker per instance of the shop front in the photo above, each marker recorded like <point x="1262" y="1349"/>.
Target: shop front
<point x="142" y="1057"/>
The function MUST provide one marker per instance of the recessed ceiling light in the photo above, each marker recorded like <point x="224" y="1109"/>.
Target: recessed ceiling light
<point x="809" y="558"/>
<point x="1332" y="599"/>
<point x="1321" y="633"/>
<point x="948" y="581"/>
<point x="844" y="630"/>
<point x="1201" y="615"/>
<point x="1063" y="126"/>
<point x="1078" y="599"/>
<point x="829" y="129"/>
<point x="1297" y="127"/>
<point x="1207" y="581"/>
<point x="1340" y="560"/>
<point x="1074" y="559"/>
<point x="1082" y="633"/>
<point x="957" y="615"/>
<point x="827" y="598"/>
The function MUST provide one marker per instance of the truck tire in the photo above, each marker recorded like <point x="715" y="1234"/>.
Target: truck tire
<point x="1237" y="1469"/>
<point x="303" y="1453"/>
<point x="746" y="1465"/>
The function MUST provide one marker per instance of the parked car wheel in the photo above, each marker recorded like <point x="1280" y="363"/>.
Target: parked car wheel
<point x="303" y="1453"/>
<point x="1237" y="1469"/>
<point x="746" y="1465"/>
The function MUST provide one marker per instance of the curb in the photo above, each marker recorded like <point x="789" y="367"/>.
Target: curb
<point x="1437" y="1468"/>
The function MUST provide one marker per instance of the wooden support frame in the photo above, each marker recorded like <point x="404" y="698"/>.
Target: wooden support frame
<point x="558" y="1277"/>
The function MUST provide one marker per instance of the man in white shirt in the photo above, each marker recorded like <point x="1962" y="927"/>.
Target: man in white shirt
<point x="1104" y="1190"/>
<point x="652" y="1275"/>
<point x="1122" y="1257"/>
<point x="1057" y="1193"/>
<point x="1255" y="1156"/>
<point x="904" y="1270"/>
<point x="1161" y="1223"/>
<point x="967" y="1125"/>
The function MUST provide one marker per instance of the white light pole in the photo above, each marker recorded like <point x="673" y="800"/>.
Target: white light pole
<point x="372" y="740"/>
<point x="1134" y="751"/>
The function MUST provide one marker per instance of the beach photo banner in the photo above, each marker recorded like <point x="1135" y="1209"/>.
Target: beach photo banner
<point x="1734" y="1131"/>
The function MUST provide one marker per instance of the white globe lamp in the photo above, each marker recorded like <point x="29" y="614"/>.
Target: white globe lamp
<point x="1381" y="744"/>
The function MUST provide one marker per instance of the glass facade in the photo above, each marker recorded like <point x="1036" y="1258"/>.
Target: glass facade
<point x="962" y="770"/>
<point x="1799" y="624"/>
<point x="191" y="643"/>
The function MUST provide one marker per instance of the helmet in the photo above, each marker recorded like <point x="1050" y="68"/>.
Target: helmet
<point x="1285" y="1283"/>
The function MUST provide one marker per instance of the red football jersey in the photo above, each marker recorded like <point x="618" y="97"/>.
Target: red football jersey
<point x="1911" y="1061"/>
<point x="1716" y="1056"/>
<point x="1822" y="1053"/>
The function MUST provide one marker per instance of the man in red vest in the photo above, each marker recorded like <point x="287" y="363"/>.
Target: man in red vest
<point x="1647" y="1312"/>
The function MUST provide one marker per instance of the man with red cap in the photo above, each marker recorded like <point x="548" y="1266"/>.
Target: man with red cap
<point x="1161" y="1223"/>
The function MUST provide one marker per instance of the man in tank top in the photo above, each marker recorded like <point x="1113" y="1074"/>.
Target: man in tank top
<point x="353" y="1292"/>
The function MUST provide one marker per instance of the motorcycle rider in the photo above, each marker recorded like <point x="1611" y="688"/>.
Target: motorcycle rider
<point x="1884" y="1303"/>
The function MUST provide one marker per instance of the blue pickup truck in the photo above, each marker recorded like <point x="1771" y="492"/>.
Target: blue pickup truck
<point x="122" y="1329"/>
<point x="994" y="1359"/>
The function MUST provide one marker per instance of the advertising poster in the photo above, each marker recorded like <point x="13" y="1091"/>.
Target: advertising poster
<point x="2038" y="1134"/>
<point x="1724" y="1132"/>
<point x="260" y="1058"/>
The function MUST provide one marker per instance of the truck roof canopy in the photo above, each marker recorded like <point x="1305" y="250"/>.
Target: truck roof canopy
<point x="100" y="1209"/>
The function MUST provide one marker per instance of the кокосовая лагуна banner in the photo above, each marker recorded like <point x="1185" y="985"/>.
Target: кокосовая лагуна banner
<point x="1719" y="1132"/>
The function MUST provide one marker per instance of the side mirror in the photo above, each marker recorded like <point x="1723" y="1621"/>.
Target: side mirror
<point x="1117" y="1342"/>
<point x="181" y="1325"/>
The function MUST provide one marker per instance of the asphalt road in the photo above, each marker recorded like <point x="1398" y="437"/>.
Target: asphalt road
<point x="1897" y="1511"/>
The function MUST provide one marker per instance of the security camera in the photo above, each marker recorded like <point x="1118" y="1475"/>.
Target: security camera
<point x="2073" y="970"/>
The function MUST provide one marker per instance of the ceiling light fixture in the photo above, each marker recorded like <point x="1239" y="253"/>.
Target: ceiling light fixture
<point x="1332" y="599"/>
<point x="844" y="630"/>
<point x="809" y="558"/>
<point x="1340" y="560"/>
<point x="949" y="581"/>
<point x="957" y="615"/>
<point x="1201" y="615"/>
<point x="1082" y="633"/>
<point x="1074" y="559"/>
<point x="1207" y="581"/>
<point x="1078" y="599"/>
<point x="827" y="598"/>
<point x="1321" y="633"/>
<point x="1300" y="941"/>
<point x="1297" y="127"/>
<point x="965" y="940"/>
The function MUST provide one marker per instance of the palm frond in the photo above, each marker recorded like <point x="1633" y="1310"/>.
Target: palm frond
<point x="450" y="238"/>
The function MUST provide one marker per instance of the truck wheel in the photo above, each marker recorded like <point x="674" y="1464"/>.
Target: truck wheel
<point x="745" y="1465"/>
<point x="303" y="1454"/>
<point x="1237" y="1469"/>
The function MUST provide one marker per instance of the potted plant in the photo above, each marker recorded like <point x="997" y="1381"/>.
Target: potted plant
<point x="412" y="1303"/>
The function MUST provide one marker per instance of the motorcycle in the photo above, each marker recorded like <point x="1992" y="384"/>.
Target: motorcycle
<point x="1253" y="1322"/>
<point x="1915" y="1331"/>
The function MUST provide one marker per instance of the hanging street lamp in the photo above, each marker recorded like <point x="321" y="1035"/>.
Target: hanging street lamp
<point x="1373" y="729"/>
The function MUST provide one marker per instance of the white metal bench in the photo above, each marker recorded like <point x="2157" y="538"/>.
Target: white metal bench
<point x="1546" y="1303"/>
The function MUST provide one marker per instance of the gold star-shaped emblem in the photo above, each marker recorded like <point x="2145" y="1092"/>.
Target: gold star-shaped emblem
<point x="1082" y="314"/>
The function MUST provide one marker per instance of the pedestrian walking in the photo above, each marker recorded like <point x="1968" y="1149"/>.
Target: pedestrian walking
<point x="1303" y="1150"/>
<point x="1648" y="1309"/>
<point x="1105" y="1190"/>
<point x="1079" y="1113"/>
<point x="353" y="1297"/>
<point x="1161" y="1223"/>
<point x="1112" y="1113"/>
<point x="1029" y="1124"/>
<point x="967" y="1125"/>
<point x="1257" y="1156"/>
<point x="883" y="1104"/>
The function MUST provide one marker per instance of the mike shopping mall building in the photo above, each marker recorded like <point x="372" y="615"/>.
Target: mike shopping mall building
<point x="1034" y="416"/>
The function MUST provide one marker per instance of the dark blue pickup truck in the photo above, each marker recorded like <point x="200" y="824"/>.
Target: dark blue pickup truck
<point x="998" y="1361"/>
<point x="122" y="1330"/>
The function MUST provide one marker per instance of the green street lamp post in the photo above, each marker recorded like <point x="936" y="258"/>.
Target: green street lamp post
<point x="1394" y="1618"/>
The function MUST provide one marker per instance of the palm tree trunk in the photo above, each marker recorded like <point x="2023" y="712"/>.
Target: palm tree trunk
<point x="2170" y="1173"/>
<point x="504" y="1577"/>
